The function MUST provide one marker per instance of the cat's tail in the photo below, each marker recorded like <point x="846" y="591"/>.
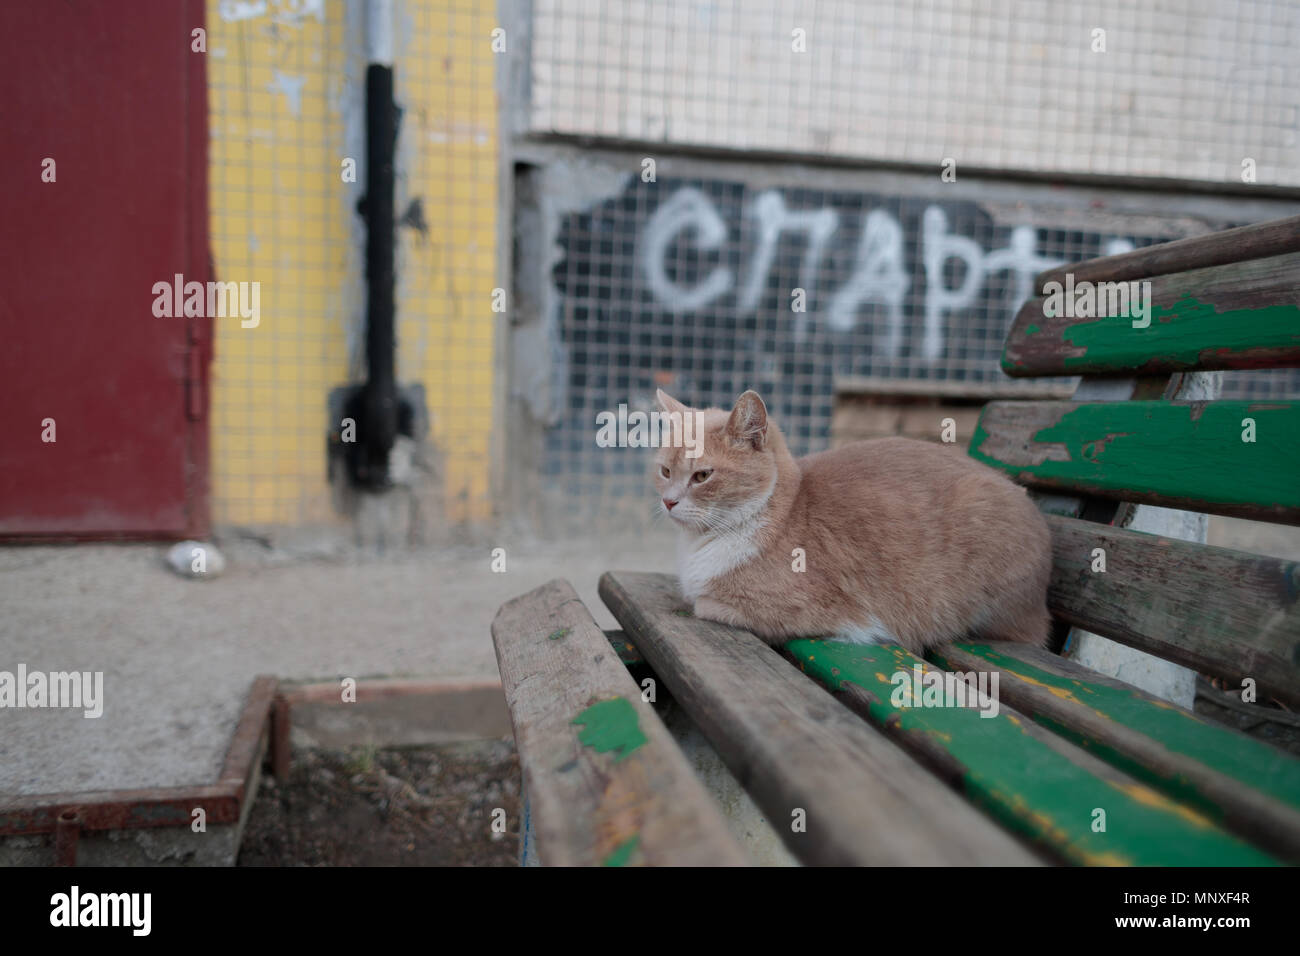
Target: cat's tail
<point x="1022" y="618"/>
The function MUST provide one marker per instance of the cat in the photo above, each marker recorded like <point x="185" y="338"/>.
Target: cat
<point x="902" y="541"/>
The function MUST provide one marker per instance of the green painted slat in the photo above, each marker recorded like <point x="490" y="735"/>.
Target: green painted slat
<point x="866" y="802"/>
<point x="1192" y="455"/>
<point x="1027" y="785"/>
<point x="1241" y="315"/>
<point x="1250" y="762"/>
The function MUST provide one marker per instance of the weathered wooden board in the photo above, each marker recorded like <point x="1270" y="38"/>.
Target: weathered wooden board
<point x="1022" y="775"/>
<point x="1241" y="783"/>
<point x="1243" y="315"/>
<point x="1256" y="241"/>
<point x="606" y="784"/>
<point x="1220" y="612"/>
<point x="794" y="748"/>
<point x="878" y="386"/>
<point x="1190" y="455"/>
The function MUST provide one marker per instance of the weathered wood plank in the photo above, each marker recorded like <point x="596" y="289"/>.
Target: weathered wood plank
<point x="1024" y="776"/>
<point x="1220" y="612"/>
<point x="1255" y="241"/>
<point x="1239" y="782"/>
<point x="795" y="748"/>
<point x="606" y="784"/>
<point x="866" y="386"/>
<point x="1244" y="315"/>
<point x="1190" y="455"/>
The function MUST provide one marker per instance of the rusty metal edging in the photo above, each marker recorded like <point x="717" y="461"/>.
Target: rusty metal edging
<point x="67" y="814"/>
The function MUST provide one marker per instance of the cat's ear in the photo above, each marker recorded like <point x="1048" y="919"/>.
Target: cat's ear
<point x="748" y="422"/>
<point x="668" y="403"/>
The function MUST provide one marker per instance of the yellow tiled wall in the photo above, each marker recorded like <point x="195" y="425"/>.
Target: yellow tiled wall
<point x="286" y="107"/>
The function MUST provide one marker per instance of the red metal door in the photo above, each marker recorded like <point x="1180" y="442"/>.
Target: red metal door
<point x="114" y="95"/>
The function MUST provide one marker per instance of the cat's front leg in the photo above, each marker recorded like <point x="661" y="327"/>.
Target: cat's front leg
<point x="710" y="610"/>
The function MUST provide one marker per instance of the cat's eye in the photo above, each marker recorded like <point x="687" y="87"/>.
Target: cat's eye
<point x="663" y="470"/>
<point x="701" y="476"/>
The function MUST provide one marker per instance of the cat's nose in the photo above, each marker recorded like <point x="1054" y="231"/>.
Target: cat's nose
<point x="669" y="504"/>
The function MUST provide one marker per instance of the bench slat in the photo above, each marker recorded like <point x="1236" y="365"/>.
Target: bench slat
<point x="1026" y="777"/>
<point x="1239" y="316"/>
<point x="1219" y="612"/>
<point x="1255" y="241"/>
<point x="605" y="782"/>
<point x="1187" y="455"/>
<point x="794" y="747"/>
<point x="1245" y="785"/>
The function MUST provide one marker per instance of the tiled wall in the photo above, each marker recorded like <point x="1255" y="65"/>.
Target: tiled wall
<point x="286" y="101"/>
<point x="1184" y="89"/>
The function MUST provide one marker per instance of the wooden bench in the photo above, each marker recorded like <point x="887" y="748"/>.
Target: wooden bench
<point x="1075" y="767"/>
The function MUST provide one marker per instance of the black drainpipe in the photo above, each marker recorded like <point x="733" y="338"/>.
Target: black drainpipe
<point x="375" y="406"/>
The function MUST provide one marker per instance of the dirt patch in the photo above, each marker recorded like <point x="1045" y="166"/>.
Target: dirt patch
<point x="420" y="806"/>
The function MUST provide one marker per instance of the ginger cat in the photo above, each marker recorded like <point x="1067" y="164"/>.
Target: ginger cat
<point x="904" y="541"/>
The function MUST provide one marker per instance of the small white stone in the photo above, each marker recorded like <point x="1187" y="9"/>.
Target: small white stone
<point x="196" y="559"/>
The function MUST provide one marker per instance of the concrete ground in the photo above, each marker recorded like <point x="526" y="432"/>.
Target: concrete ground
<point x="178" y="655"/>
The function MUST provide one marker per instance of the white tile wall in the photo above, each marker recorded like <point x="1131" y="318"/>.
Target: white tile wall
<point x="1186" y="89"/>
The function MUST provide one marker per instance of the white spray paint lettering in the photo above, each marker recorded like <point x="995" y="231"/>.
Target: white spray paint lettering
<point x="878" y="276"/>
<point x="773" y="218"/>
<point x="879" y="273"/>
<point x="687" y="209"/>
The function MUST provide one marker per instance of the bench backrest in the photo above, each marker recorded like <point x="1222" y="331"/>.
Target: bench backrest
<point x="1225" y="301"/>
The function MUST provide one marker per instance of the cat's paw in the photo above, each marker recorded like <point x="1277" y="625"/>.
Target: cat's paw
<point x="710" y="610"/>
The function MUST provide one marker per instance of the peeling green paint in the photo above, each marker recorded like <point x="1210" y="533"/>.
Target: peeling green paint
<point x="1191" y="450"/>
<point x="1030" y="329"/>
<point x="1022" y="782"/>
<point x="1251" y="762"/>
<point x="559" y="635"/>
<point x="611" y="725"/>
<point x="623" y="853"/>
<point x="978" y="439"/>
<point x="1179" y="334"/>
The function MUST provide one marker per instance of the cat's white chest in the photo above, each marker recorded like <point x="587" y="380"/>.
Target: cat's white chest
<point x="700" y="560"/>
